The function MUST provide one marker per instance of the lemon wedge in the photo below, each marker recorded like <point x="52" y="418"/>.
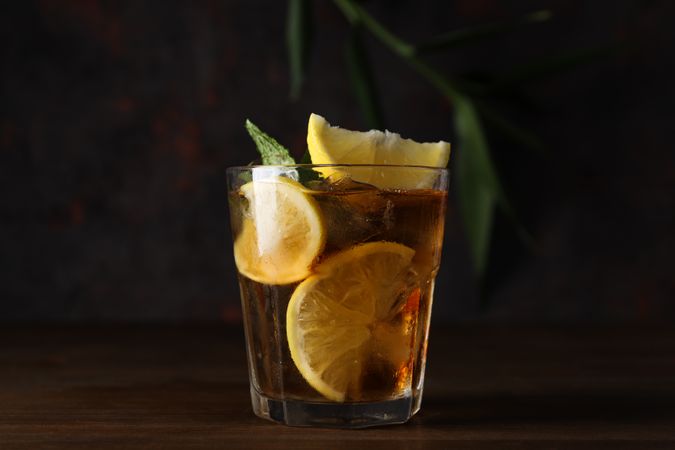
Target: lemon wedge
<point x="338" y="320"/>
<point x="282" y="232"/>
<point x="333" y="145"/>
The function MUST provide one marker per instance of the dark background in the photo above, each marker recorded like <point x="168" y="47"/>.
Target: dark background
<point x="118" y="120"/>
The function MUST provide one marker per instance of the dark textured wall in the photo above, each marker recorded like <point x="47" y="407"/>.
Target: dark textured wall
<point x="118" y="120"/>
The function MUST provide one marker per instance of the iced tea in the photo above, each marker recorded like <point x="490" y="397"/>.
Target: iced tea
<point x="359" y="317"/>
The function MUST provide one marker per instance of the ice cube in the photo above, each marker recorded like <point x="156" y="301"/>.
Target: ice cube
<point x="355" y="215"/>
<point x="267" y="172"/>
<point x="342" y="182"/>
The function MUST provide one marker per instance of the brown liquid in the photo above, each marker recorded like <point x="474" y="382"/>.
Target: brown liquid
<point x="412" y="218"/>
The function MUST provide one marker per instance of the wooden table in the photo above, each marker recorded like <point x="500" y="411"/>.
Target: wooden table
<point x="182" y="387"/>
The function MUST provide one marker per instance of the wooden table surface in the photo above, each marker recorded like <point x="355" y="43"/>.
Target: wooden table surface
<point x="182" y="387"/>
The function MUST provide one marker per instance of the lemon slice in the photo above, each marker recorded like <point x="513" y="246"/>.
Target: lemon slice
<point x="334" y="145"/>
<point x="339" y="319"/>
<point x="282" y="232"/>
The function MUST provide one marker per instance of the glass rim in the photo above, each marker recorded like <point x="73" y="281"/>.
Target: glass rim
<point x="308" y="166"/>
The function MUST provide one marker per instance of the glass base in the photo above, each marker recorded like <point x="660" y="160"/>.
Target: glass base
<point x="298" y="413"/>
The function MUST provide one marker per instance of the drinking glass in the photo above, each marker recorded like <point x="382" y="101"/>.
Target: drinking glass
<point x="336" y="267"/>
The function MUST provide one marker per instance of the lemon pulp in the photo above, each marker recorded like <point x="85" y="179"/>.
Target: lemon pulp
<point x="282" y="232"/>
<point x="339" y="318"/>
<point x="333" y="145"/>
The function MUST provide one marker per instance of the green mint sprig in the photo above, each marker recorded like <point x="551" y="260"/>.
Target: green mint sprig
<point x="271" y="151"/>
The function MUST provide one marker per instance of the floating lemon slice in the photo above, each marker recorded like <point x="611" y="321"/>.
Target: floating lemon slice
<point x="282" y="232"/>
<point x="334" y="145"/>
<point x="339" y="319"/>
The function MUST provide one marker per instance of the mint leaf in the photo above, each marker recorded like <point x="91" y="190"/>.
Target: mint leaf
<point x="272" y="152"/>
<point x="306" y="158"/>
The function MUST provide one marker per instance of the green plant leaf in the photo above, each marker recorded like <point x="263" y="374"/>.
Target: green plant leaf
<point x="361" y="77"/>
<point x="478" y="187"/>
<point x="470" y="35"/>
<point x="271" y="152"/>
<point x="511" y="131"/>
<point x="550" y="66"/>
<point x="306" y="158"/>
<point x="355" y="14"/>
<point x="306" y="174"/>
<point x="298" y="39"/>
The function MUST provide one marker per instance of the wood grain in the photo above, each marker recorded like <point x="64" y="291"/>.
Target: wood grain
<point x="177" y="387"/>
